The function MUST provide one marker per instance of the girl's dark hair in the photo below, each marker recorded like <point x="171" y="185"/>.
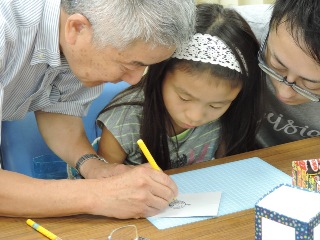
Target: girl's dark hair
<point x="240" y="122"/>
<point x="302" y="19"/>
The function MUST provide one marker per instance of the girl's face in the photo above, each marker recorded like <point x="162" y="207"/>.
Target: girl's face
<point x="196" y="99"/>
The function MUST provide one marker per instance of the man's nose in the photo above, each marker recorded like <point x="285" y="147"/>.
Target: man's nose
<point x="134" y="76"/>
<point x="285" y="90"/>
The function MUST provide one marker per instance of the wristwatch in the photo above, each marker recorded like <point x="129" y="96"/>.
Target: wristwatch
<point x="86" y="157"/>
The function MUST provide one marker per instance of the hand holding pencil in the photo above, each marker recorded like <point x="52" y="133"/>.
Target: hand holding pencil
<point x="148" y="156"/>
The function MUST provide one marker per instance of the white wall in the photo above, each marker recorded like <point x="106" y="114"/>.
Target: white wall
<point x="235" y="2"/>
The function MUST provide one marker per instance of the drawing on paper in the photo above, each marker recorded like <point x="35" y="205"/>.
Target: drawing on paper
<point x="178" y="204"/>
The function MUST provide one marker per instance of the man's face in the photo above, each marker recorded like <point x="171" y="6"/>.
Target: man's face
<point x="94" y="66"/>
<point x="286" y="58"/>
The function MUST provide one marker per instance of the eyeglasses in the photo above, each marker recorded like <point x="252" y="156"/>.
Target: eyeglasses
<point x="264" y="67"/>
<point x="127" y="232"/>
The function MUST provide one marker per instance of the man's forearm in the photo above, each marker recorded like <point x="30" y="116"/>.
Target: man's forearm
<point x="65" y="135"/>
<point x="120" y="196"/>
<point x="22" y="196"/>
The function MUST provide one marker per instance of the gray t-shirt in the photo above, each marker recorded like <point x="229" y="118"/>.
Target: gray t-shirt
<point x="195" y="145"/>
<point x="282" y="123"/>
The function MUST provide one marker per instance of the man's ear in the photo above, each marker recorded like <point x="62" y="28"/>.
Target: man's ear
<point x="77" y="26"/>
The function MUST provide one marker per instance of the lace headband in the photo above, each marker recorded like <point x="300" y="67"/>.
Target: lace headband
<point x="209" y="49"/>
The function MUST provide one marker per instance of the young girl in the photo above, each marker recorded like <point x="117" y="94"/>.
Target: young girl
<point x="204" y="102"/>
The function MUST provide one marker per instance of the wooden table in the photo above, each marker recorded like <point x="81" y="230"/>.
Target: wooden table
<point x="237" y="226"/>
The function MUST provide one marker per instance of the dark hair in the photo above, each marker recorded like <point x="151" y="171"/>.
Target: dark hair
<point x="302" y="19"/>
<point x="240" y="122"/>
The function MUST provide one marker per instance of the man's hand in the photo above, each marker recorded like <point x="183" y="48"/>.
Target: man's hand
<point x="95" y="168"/>
<point x="138" y="192"/>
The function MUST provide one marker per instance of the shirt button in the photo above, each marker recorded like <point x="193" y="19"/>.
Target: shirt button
<point x="41" y="55"/>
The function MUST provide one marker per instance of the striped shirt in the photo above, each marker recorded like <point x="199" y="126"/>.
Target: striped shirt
<point x="34" y="74"/>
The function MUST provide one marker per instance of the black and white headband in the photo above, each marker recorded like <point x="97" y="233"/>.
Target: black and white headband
<point x="209" y="49"/>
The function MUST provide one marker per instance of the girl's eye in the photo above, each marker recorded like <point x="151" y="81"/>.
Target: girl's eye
<point x="215" y="107"/>
<point x="184" y="99"/>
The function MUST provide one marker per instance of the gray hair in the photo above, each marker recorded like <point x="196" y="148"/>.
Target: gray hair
<point x="121" y="22"/>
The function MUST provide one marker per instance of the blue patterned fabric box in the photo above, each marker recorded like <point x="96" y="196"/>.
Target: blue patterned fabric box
<point x="288" y="213"/>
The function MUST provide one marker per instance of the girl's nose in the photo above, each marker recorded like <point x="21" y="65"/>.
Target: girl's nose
<point x="195" y="116"/>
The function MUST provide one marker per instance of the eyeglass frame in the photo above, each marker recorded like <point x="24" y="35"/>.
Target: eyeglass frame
<point x="283" y="79"/>
<point x="125" y="226"/>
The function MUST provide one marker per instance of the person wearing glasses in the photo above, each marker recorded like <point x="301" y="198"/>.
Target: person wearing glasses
<point x="54" y="57"/>
<point x="289" y="32"/>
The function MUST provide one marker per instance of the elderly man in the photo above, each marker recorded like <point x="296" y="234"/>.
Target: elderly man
<point x="54" y="56"/>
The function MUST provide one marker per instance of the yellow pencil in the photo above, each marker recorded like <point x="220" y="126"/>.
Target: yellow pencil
<point x="42" y="230"/>
<point x="148" y="155"/>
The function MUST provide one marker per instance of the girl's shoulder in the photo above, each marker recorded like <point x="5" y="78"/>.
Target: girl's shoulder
<point x="125" y="112"/>
<point x="129" y="96"/>
<point x="126" y="108"/>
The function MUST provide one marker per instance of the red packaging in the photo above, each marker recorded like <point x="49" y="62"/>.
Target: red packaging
<point x="306" y="174"/>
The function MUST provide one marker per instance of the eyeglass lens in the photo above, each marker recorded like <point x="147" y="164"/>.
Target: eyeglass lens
<point x="281" y="79"/>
